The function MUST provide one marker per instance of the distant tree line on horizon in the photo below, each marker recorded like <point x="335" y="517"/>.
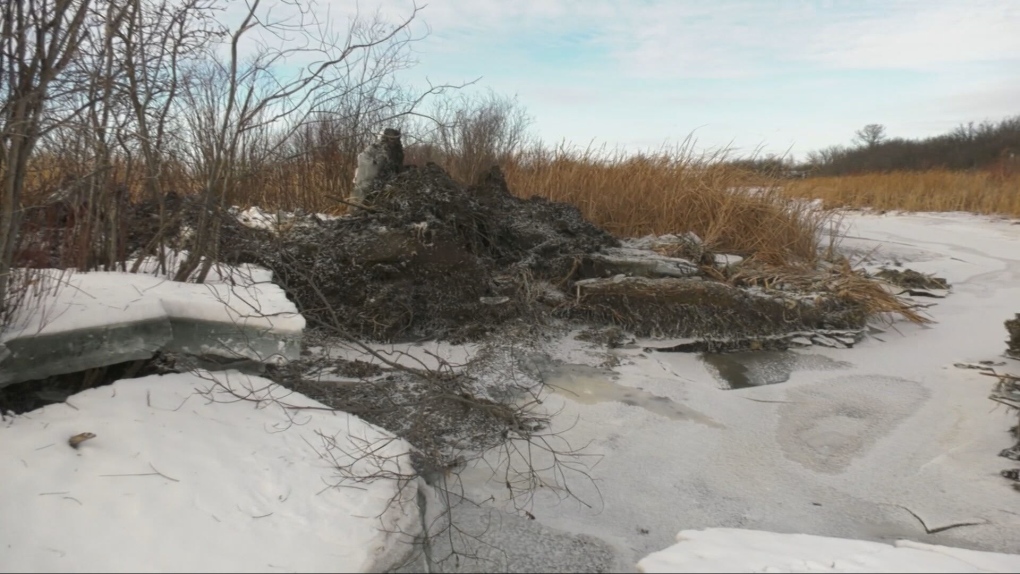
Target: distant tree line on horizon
<point x="988" y="145"/>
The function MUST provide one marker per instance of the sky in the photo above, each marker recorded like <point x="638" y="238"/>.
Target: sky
<point x="782" y="76"/>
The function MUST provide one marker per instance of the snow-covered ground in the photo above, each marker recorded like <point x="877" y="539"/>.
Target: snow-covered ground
<point x="860" y="444"/>
<point x="183" y="475"/>
<point x="733" y="550"/>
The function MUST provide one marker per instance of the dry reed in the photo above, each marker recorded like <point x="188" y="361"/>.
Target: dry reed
<point x="674" y="192"/>
<point x="986" y="192"/>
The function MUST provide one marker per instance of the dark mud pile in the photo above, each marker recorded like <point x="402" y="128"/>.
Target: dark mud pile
<point x="429" y="258"/>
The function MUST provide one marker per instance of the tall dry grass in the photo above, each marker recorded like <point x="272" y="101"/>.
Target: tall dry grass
<point x="986" y="192"/>
<point x="674" y="191"/>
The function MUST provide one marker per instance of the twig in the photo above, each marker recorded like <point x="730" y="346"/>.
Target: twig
<point x="154" y="473"/>
<point x="161" y="474"/>
<point x="351" y="204"/>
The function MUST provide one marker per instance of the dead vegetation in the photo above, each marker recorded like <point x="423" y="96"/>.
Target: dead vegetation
<point x="673" y="191"/>
<point x="986" y="192"/>
<point x="838" y="280"/>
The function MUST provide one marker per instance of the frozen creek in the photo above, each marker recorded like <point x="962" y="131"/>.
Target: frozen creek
<point x="830" y="442"/>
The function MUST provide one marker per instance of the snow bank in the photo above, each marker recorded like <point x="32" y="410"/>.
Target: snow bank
<point x="89" y="300"/>
<point x="736" y="550"/>
<point x="184" y="476"/>
<point x="97" y="319"/>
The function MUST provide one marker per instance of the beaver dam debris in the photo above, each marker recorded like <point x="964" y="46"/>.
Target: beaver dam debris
<point x="424" y="256"/>
<point x="1007" y="392"/>
<point x="914" y="283"/>
<point x="1013" y="343"/>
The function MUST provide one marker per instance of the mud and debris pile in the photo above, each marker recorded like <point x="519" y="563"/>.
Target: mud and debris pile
<point x="1013" y="343"/>
<point x="1007" y="392"/>
<point x="424" y="256"/>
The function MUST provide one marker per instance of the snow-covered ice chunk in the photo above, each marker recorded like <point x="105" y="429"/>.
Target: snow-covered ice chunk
<point x="182" y="476"/>
<point x="98" y="319"/>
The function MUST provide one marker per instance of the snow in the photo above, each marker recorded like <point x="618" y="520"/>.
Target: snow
<point x="275" y="221"/>
<point x="184" y="476"/>
<point x="734" y="550"/>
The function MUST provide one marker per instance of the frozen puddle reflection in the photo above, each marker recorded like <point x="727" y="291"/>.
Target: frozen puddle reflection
<point x="756" y="368"/>
<point x="590" y="385"/>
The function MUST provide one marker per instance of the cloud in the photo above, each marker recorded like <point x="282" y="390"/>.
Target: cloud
<point x="921" y="36"/>
<point x="803" y="71"/>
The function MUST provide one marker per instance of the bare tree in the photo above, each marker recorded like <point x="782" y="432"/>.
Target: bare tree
<point x="236" y="98"/>
<point x="38" y="39"/>
<point x="474" y="133"/>
<point x="160" y="39"/>
<point x="870" y="135"/>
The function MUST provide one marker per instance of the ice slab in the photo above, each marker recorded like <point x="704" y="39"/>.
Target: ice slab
<point x="98" y="319"/>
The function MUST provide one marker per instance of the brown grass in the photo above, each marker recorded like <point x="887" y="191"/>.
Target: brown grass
<point x="674" y="192"/>
<point x="839" y="280"/>
<point x="986" y="192"/>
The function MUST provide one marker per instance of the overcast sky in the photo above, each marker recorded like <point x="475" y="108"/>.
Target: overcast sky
<point x="786" y="74"/>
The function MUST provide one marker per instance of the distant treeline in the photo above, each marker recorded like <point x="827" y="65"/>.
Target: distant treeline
<point x="988" y="145"/>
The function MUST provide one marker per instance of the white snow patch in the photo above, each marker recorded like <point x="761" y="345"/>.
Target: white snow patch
<point x="736" y="550"/>
<point x="183" y="476"/>
<point x="98" y="299"/>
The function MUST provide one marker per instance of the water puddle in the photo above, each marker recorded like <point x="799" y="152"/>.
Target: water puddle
<point x="589" y="385"/>
<point x="757" y="368"/>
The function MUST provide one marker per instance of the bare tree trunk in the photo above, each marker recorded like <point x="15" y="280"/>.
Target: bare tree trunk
<point x="38" y="38"/>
